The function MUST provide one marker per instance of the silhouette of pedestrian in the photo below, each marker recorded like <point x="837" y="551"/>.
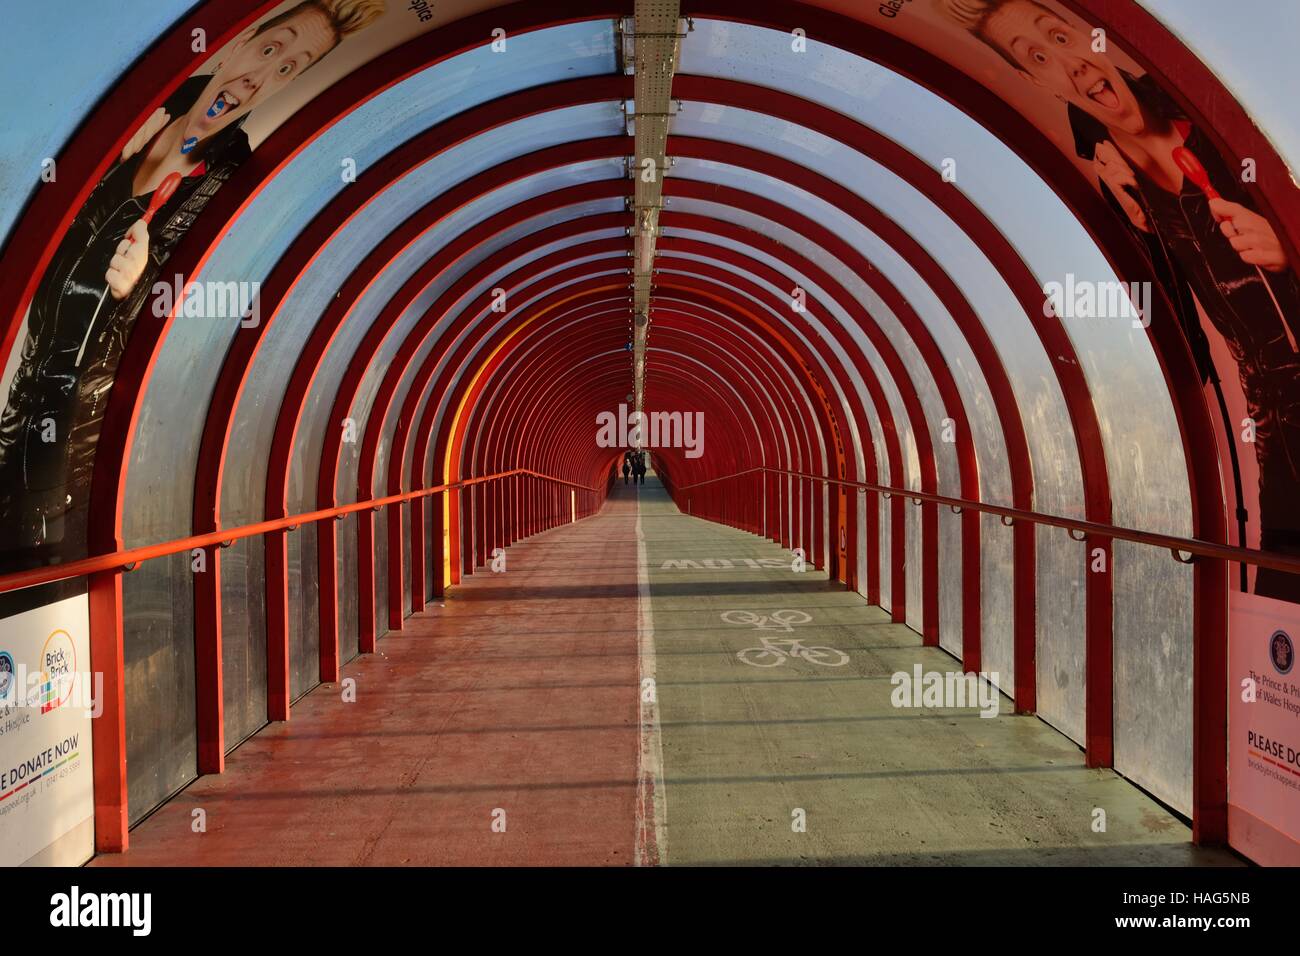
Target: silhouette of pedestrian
<point x="627" y="465"/>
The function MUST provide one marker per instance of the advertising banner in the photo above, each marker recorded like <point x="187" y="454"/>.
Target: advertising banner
<point x="54" y="390"/>
<point x="47" y="697"/>
<point x="1264" y="746"/>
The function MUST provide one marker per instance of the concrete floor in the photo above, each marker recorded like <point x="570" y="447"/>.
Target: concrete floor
<point x="746" y="746"/>
<point x="518" y="695"/>
<point x="521" y="694"/>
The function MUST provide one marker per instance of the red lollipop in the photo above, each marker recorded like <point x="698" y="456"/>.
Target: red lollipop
<point x="1186" y="160"/>
<point x="160" y="196"/>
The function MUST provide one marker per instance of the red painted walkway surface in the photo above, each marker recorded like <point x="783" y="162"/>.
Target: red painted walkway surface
<point x="520" y="694"/>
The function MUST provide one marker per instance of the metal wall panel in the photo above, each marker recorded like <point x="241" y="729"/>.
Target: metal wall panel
<point x="407" y="583"/>
<point x="1153" y="672"/>
<point x="950" y="582"/>
<point x="304" y="610"/>
<point x="347" y="600"/>
<point x="431" y="543"/>
<point x="161" y="738"/>
<point x="997" y="607"/>
<point x="381" y="574"/>
<point x="1061" y="657"/>
<point x="860" y="516"/>
<point x="886" y="536"/>
<point x="912" y="563"/>
<point x="243" y="639"/>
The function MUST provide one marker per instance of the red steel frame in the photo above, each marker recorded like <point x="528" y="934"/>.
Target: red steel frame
<point x="933" y="602"/>
<point x="957" y="406"/>
<point x="239" y="362"/>
<point x="756" y="375"/>
<point x="935" y="365"/>
<point x="1203" y="96"/>
<point x="50" y="213"/>
<point x="523" y="420"/>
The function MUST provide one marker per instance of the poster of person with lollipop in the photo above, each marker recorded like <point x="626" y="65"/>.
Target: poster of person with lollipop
<point x="1207" y="245"/>
<point x="87" y="300"/>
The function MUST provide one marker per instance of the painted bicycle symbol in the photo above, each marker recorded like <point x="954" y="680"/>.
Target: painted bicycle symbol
<point x="773" y="652"/>
<point x="776" y="621"/>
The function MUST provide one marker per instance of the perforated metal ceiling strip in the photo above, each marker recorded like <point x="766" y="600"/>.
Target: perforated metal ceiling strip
<point x="657" y="40"/>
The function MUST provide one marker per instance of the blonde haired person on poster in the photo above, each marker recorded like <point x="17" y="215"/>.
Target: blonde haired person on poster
<point x="101" y="273"/>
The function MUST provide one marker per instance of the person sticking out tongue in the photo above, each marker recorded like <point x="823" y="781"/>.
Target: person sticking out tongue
<point x="87" y="300"/>
<point x="258" y="65"/>
<point x="1208" y="247"/>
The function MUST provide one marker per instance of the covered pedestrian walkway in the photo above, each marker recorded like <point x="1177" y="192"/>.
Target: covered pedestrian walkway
<point x="517" y="703"/>
<point x="961" y="340"/>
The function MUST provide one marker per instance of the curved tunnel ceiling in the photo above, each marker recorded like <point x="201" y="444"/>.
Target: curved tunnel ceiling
<point x="856" y="236"/>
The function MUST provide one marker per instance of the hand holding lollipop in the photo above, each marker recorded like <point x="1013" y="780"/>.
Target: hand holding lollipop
<point x="128" y="262"/>
<point x="1248" y="232"/>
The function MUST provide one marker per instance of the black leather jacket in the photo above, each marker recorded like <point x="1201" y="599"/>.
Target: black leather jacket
<point x="1257" y="313"/>
<point x="73" y="343"/>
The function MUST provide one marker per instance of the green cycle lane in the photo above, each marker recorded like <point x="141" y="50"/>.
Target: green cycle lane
<point x="786" y="753"/>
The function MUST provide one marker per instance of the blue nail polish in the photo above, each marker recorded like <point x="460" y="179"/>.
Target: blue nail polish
<point x="218" y="107"/>
<point x="189" y="144"/>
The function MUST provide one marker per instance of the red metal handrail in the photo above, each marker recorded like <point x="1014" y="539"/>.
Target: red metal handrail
<point x="128" y="559"/>
<point x="1176" y="545"/>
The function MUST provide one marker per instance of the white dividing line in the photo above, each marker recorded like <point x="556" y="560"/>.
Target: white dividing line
<point x="651" y="802"/>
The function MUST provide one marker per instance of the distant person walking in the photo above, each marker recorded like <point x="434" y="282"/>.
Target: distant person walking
<point x="639" y="467"/>
<point x="627" y="465"/>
